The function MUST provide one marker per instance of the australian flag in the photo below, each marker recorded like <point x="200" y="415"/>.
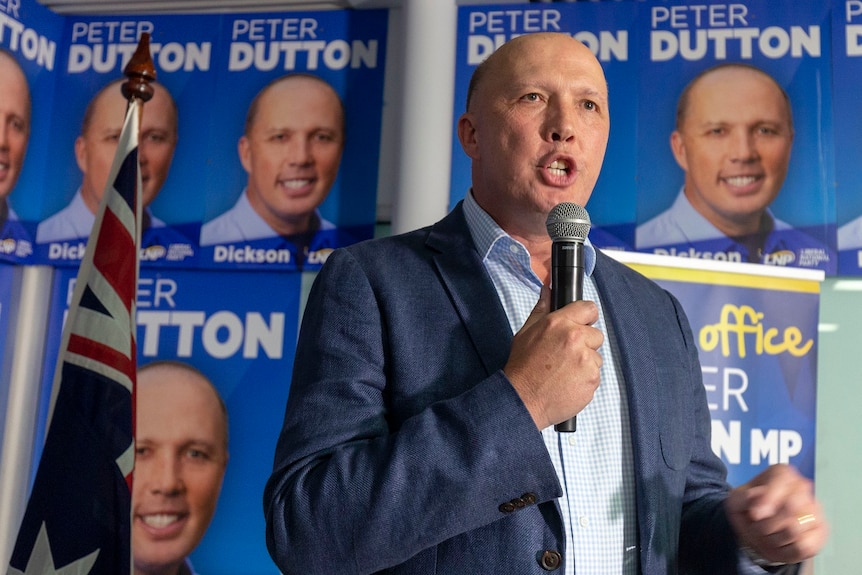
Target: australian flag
<point x="78" y="518"/>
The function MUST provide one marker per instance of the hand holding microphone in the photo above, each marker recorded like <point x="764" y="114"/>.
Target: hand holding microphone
<point x="554" y="363"/>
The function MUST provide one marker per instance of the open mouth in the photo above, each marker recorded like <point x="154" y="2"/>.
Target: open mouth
<point x="559" y="168"/>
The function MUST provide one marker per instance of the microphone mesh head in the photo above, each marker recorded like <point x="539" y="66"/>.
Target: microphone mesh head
<point x="568" y="221"/>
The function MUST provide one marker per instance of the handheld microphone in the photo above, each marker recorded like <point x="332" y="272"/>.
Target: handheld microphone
<point x="568" y="225"/>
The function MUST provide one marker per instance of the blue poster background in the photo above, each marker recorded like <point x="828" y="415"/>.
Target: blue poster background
<point x="847" y="86"/>
<point x="606" y="28"/>
<point x="806" y="200"/>
<point x="253" y="379"/>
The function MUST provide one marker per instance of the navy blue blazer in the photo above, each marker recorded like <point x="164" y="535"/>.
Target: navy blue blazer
<point x="403" y="440"/>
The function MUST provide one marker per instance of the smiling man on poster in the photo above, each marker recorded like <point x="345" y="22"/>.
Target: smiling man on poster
<point x="733" y="137"/>
<point x="291" y="149"/>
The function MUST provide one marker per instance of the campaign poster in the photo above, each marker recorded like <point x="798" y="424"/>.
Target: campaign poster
<point x="30" y="40"/>
<point x="278" y="195"/>
<point x="174" y="131"/>
<point x="755" y="328"/>
<point x="731" y="171"/>
<point x="847" y="85"/>
<point x="606" y="28"/>
<point x="242" y="338"/>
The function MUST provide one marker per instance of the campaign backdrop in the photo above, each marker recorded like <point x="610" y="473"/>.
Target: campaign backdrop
<point x="606" y="27"/>
<point x="649" y="51"/>
<point x="847" y="85"/>
<point x="212" y="65"/>
<point x="676" y="41"/>
<point x="32" y="35"/>
<point x="243" y="339"/>
<point x="756" y="331"/>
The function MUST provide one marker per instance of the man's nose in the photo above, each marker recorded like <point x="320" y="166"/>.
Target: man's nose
<point x="743" y="147"/>
<point x="166" y="477"/>
<point x="299" y="152"/>
<point x="560" y="124"/>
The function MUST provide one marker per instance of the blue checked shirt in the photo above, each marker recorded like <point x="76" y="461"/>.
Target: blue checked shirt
<point x="594" y="464"/>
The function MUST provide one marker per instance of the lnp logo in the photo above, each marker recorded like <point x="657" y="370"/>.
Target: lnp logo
<point x="779" y="258"/>
<point x="153" y="253"/>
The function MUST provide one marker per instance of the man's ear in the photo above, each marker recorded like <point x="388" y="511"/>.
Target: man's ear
<point x="243" y="148"/>
<point x="677" y="146"/>
<point x="467" y="135"/>
<point x="81" y="154"/>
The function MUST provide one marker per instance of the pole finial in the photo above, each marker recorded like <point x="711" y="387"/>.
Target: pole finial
<point x="141" y="71"/>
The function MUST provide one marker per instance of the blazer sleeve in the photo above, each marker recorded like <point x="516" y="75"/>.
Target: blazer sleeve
<point x="393" y="440"/>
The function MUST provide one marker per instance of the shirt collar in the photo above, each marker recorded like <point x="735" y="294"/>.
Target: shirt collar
<point x="486" y="232"/>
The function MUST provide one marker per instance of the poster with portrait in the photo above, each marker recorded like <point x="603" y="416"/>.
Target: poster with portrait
<point x="30" y="42"/>
<point x="755" y="328"/>
<point x="738" y="145"/>
<point x="847" y="85"/>
<point x="243" y="340"/>
<point x="606" y="27"/>
<point x="174" y="127"/>
<point x="301" y="178"/>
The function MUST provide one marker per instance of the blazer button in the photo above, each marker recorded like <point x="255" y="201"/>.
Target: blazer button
<point x="529" y="498"/>
<point x="507" y="507"/>
<point x="550" y="560"/>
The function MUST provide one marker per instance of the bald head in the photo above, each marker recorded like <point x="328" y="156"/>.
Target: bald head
<point x="297" y="81"/>
<point x="725" y="75"/>
<point x="159" y="377"/>
<point x="516" y="48"/>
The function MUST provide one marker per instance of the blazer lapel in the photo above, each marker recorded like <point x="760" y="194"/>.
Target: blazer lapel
<point x="470" y="289"/>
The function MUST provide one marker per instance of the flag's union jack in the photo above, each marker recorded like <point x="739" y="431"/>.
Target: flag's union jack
<point x="78" y="519"/>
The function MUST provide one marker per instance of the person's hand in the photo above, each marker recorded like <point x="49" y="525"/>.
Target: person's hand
<point x="776" y="515"/>
<point x="554" y="364"/>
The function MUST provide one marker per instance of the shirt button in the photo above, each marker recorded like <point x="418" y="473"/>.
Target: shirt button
<point x="513" y="248"/>
<point x="572" y="439"/>
<point x="584" y="521"/>
<point x="550" y="560"/>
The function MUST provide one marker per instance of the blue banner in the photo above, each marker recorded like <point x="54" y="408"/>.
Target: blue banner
<point x="756" y="331"/>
